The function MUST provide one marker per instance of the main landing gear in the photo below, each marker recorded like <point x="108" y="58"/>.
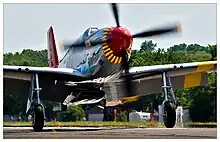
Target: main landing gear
<point x="35" y="107"/>
<point x="168" y="107"/>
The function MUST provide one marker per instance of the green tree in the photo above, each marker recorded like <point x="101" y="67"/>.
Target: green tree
<point x="213" y="51"/>
<point x="77" y="111"/>
<point x="148" y="45"/>
<point x="203" y="101"/>
<point x="122" y="116"/>
<point x="181" y="47"/>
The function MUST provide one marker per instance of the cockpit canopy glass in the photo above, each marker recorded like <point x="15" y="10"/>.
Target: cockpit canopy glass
<point x="89" y="31"/>
<point x="86" y="34"/>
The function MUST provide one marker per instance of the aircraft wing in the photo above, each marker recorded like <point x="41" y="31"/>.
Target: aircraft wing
<point x="17" y="81"/>
<point x="148" y="79"/>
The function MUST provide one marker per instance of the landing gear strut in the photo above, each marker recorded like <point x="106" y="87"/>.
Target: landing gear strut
<point x="168" y="107"/>
<point x="35" y="109"/>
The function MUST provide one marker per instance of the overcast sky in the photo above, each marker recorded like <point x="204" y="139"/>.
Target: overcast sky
<point x="25" y="25"/>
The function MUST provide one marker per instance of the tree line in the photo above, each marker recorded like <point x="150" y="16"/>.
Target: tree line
<point x="201" y="101"/>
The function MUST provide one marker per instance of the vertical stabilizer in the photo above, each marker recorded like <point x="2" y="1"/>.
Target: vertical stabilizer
<point x="53" y="60"/>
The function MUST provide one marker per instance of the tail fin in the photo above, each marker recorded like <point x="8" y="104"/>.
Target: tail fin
<point x="53" y="60"/>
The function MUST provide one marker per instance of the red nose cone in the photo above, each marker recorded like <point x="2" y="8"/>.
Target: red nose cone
<point x="121" y="39"/>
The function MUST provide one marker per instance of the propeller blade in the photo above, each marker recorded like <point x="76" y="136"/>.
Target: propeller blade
<point x="62" y="46"/>
<point x="128" y="79"/>
<point x="158" y="31"/>
<point x="91" y="43"/>
<point x="66" y="45"/>
<point x="115" y="12"/>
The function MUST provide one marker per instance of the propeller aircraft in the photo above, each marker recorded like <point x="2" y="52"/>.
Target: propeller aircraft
<point x="95" y="67"/>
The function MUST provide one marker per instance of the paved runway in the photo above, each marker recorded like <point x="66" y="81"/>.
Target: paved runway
<point x="109" y="133"/>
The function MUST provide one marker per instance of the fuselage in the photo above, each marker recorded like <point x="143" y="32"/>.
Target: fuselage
<point x="101" y="60"/>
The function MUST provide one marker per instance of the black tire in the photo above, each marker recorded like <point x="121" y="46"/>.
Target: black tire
<point x="170" y="112"/>
<point x="38" y="118"/>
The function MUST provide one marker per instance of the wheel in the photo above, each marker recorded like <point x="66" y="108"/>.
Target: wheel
<point x="38" y="118"/>
<point x="169" y="115"/>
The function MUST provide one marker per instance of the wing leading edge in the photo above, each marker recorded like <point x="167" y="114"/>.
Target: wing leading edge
<point x="25" y="71"/>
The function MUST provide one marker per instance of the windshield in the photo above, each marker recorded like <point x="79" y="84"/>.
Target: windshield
<point x="93" y="30"/>
<point x="87" y="33"/>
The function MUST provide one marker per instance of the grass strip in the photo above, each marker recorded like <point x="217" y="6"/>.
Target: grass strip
<point x="86" y="124"/>
<point x="109" y="124"/>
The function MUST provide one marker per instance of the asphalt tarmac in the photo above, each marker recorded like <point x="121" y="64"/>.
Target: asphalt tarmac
<point x="109" y="133"/>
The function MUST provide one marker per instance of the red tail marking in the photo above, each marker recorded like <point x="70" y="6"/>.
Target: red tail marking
<point x="53" y="60"/>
